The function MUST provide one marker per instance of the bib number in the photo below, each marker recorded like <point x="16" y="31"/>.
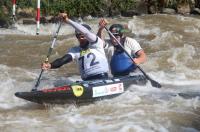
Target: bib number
<point x="92" y="62"/>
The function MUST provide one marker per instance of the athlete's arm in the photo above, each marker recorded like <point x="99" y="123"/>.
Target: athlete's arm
<point x="61" y="61"/>
<point x="140" y="57"/>
<point x="102" y="24"/>
<point x="91" y="37"/>
<point x="57" y="63"/>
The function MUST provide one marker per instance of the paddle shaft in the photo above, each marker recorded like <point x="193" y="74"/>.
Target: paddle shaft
<point x="154" y="83"/>
<point x="48" y="55"/>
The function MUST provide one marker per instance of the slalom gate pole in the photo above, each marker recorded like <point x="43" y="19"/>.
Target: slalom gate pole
<point x="38" y="18"/>
<point x="13" y="10"/>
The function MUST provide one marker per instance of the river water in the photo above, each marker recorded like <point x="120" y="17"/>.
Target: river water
<point x="172" y="45"/>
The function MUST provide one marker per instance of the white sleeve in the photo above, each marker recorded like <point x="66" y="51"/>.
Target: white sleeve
<point x="132" y="45"/>
<point x="91" y="37"/>
<point x="99" y="43"/>
<point x="73" y="52"/>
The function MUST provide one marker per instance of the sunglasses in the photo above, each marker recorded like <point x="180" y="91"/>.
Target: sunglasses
<point x="116" y="35"/>
<point x="79" y="35"/>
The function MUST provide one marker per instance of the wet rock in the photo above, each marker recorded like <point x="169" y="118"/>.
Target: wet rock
<point x="89" y="17"/>
<point x="114" y="13"/>
<point x="26" y="12"/>
<point x="28" y="21"/>
<point x="152" y="10"/>
<point x="3" y="23"/>
<point x="129" y="13"/>
<point x="168" y="11"/>
<point x="195" y="11"/>
<point x="183" y="8"/>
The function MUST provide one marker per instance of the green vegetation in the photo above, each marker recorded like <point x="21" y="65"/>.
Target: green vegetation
<point x="85" y="7"/>
<point x="81" y="8"/>
<point x="4" y="13"/>
<point x="74" y="7"/>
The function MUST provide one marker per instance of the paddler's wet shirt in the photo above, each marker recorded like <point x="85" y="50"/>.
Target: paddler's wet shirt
<point x="92" y="61"/>
<point x="120" y="62"/>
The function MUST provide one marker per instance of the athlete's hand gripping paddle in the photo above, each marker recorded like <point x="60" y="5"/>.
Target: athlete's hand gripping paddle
<point x="48" y="55"/>
<point x="153" y="82"/>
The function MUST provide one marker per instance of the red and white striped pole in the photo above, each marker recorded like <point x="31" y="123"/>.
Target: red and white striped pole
<point x="14" y="9"/>
<point x="38" y="17"/>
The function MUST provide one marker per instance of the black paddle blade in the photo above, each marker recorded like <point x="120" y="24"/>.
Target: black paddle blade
<point x="155" y="84"/>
